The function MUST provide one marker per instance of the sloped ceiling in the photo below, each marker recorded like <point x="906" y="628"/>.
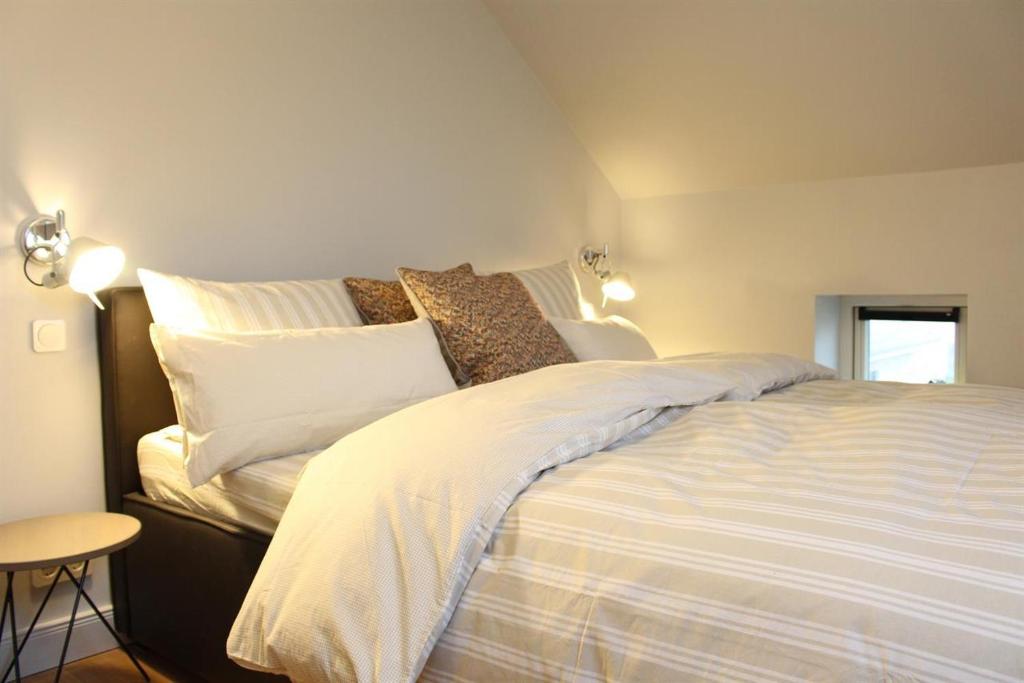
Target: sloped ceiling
<point x="680" y="96"/>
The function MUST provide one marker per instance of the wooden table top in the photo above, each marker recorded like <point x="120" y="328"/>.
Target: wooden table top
<point x="53" y="540"/>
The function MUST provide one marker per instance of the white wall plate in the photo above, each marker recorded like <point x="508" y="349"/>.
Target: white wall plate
<point x="49" y="336"/>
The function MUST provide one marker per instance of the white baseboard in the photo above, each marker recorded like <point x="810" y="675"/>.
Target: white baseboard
<point x="43" y="649"/>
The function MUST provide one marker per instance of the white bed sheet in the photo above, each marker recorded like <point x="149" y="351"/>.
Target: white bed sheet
<point x="253" y="496"/>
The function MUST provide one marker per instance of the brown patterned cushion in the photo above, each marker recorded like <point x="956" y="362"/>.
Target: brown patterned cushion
<point x="380" y="302"/>
<point x="491" y="324"/>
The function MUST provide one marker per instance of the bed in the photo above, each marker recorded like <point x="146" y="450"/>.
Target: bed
<point x="716" y="518"/>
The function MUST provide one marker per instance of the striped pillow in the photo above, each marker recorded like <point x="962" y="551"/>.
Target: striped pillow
<point x="555" y="289"/>
<point x="188" y="303"/>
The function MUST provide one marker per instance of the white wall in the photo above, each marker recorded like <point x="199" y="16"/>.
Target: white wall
<point x="253" y="140"/>
<point x="739" y="269"/>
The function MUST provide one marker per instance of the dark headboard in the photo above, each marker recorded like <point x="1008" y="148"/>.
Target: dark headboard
<point x="136" y="397"/>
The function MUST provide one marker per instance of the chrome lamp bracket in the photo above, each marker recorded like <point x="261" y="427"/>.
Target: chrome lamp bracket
<point x="45" y="241"/>
<point x="595" y="261"/>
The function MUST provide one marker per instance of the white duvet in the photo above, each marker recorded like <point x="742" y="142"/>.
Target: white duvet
<point x="386" y="527"/>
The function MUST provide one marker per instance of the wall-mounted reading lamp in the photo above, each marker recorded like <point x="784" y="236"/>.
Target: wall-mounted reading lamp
<point x="615" y="285"/>
<point x="87" y="265"/>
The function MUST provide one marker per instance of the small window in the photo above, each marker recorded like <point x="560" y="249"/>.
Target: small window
<point x="917" y="344"/>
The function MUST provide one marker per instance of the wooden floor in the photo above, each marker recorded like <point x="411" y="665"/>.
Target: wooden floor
<point x="112" y="666"/>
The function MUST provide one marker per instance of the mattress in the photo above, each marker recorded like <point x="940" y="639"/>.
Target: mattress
<point x="253" y="496"/>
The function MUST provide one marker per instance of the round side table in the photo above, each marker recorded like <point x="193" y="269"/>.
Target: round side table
<point x="61" y="540"/>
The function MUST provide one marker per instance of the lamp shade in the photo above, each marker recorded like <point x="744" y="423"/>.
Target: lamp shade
<point x="618" y="287"/>
<point x="92" y="265"/>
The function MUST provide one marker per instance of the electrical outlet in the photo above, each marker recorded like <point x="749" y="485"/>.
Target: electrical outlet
<point x="42" y="578"/>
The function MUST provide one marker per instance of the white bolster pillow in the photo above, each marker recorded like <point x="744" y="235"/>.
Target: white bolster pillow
<point x="243" y="397"/>
<point x="611" y="338"/>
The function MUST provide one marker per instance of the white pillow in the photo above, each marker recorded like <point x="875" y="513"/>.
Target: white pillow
<point x="555" y="289"/>
<point x="611" y="338"/>
<point x="243" y="397"/>
<point x="192" y="304"/>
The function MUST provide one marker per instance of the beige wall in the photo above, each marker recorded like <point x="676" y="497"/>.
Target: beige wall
<point x="686" y="96"/>
<point x="739" y="269"/>
<point x="254" y="140"/>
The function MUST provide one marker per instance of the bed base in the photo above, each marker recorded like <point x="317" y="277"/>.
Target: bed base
<point x="186" y="578"/>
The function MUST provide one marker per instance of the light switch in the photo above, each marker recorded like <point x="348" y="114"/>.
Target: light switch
<point x="49" y="336"/>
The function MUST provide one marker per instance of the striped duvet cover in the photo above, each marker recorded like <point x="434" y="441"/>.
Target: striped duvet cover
<point x="824" y="531"/>
<point x="847" y="531"/>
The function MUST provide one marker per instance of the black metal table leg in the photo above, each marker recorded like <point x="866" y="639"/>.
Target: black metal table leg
<point x="71" y="622"/>
<point x="17" y="648"/>
<point x="3" y="612"/>
<point x="106" y="623"/>
<point x="9" y="605"/>
<point x="8" y="593"/>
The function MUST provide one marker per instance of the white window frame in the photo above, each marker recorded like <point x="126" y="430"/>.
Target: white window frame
<point x="852" y="346"/>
